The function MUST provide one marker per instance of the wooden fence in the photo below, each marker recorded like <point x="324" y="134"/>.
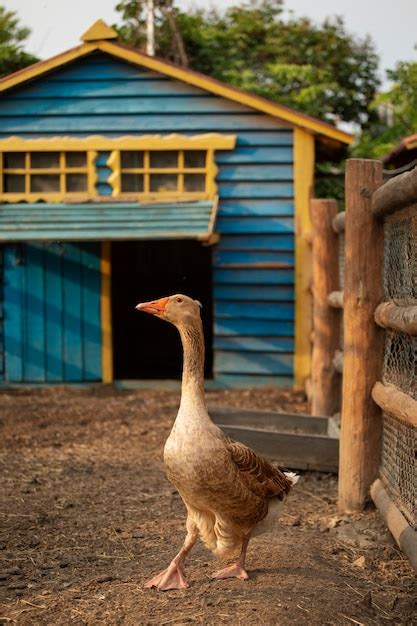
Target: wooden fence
<point x="378" y="297"/>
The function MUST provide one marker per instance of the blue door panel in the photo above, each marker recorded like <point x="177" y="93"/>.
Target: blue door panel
<point x="52" y="326"/>
<point x="14" y="306"/>
<point x="34" y="347"/>
<point x="90" y="299"/>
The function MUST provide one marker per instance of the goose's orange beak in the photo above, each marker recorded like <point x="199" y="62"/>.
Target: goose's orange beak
<point x="156" y="307"/>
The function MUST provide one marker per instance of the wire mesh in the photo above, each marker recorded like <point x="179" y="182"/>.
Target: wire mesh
<point x="400" y="256"/>
<point x="399" y="443"/>
<point x="399" y="466"/>
<point x="400" y="362"/>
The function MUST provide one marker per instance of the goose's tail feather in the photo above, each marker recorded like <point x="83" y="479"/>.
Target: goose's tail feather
<point x="292" y="476"/>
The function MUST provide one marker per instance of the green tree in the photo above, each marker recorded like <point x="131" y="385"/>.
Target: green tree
<point x="322" y="70"/>
<point x="397" y="113"/>
<point x="12" y="38"/>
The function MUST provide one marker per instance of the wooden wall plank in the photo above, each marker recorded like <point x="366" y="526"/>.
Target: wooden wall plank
<point x="34" y="351"/>
<point x="242" y="293"/>
<point x="304" y="158"/>
<point x="230" y="327"/>
<point x="254" y="276"/>
<point x="110" y="106"/>
<point x="241" y="207"/>
<point x="253" y="225"/>
<point x="248" y="173"/>
<point x="90" y="306"/>
<point x="247" y="189"/>
<point x="73" y="358"/>
<point x="255" y="310"/>
<point x="261" y="241"/>
<point x="255" y="344"/>
<point x="54" y="366"/>
<point x="256" y="258"/>
<point x="258" y="154"/>
<point x="133" y="124"/>
<point x="14" y="307"/>
<point x="253" y="363"/>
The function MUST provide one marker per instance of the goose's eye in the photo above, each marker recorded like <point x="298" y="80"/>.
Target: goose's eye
<point x="179" y="299"/>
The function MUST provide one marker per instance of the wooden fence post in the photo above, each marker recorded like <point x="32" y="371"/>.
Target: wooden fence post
<point x="326" y="319"/>
<point x="361" y="426"/>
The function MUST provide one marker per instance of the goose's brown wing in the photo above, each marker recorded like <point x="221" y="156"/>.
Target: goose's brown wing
<point x="260" y="477"/>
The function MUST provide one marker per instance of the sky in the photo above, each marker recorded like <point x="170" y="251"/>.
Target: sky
<point x="58" y="24"/>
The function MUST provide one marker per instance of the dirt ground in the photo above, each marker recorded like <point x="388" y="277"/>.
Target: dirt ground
<point x="86" y="516"/>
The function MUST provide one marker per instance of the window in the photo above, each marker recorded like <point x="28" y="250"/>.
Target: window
<point x="136" y="168"/>
<point x="43" y="175"/>
<point x="164" y="172"/>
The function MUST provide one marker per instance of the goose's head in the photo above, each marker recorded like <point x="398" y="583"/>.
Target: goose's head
<point x="177" y="309"/>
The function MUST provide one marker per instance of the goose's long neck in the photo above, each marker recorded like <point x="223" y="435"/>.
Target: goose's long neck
<point x="192" y="388"/>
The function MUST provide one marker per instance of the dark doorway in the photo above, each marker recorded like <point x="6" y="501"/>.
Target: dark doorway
<point x="143" y="346"/>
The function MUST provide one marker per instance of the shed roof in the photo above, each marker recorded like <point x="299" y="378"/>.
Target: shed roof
<point x="100" y="37"/>
<point x="403" y="152"/>
<point x="107" y="220"/>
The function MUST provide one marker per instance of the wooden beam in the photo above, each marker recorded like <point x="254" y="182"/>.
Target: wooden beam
<point x="326" y="320"/>
<point x="303" y="185"/>
<point x="335" y="298"/>
<point x="403" y="534"/>
<point x="396" y="194"/>
<point x="106" y="323"/>
<point x="361" y="429"/>
<point x="401" y="318"/>
<point x="396" y="403"/>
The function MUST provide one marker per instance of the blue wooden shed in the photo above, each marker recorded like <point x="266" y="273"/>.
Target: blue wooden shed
<point x="123" y="178"/>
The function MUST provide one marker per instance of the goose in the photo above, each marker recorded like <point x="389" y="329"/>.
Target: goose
<point x="231" y="494"/>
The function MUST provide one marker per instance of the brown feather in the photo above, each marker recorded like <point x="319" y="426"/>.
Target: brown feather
<point x="262" y="478"/>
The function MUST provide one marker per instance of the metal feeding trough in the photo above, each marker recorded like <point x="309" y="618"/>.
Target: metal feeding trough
<point x="293" y="440"/>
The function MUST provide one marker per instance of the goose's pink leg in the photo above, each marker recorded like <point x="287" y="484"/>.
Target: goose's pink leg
<point x="237" y="570"/>
<point x="174" y="576"/>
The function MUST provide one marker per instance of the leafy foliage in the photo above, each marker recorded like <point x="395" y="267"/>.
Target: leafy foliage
<point x="319" y="69"/>
<point x="397" y="117"/>
<point x="12" y="37"/>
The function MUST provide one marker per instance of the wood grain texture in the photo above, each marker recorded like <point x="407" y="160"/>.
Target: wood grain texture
<point x="405" y="536"/>
<point x="360" y="437"/>
<point x="326" y="387"/>
<point x="396" y="403"/>
<point x="395" y="317"/>
<point x="304" y="158"/>
<point x="395" y="194"/>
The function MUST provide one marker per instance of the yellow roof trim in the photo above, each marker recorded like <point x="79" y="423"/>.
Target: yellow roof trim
<point x="42" y="67"/>
<point x="191" y="77"/>
<point x="99" y="30"/>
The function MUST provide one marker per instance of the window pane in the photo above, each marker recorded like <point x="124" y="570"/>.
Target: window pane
<point x="46" y="183"/>
<point x="194" y="182"/>
<point x="195" y="158"/>
<point x="14" y="160"/>
<point x="44" y="159"/>
<point x="132" y="182"/>
<point x="76" y="182"/>
<point x="76" y="159"/>
<point x="131" y="159"/>
<point x="14" y="183"/>
<point x="164" y="182"/>
<point x="164" y="159"/>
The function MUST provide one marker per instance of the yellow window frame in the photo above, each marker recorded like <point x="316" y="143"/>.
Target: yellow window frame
<point x="62" y="170"/>
<point x="93" y="144"/>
